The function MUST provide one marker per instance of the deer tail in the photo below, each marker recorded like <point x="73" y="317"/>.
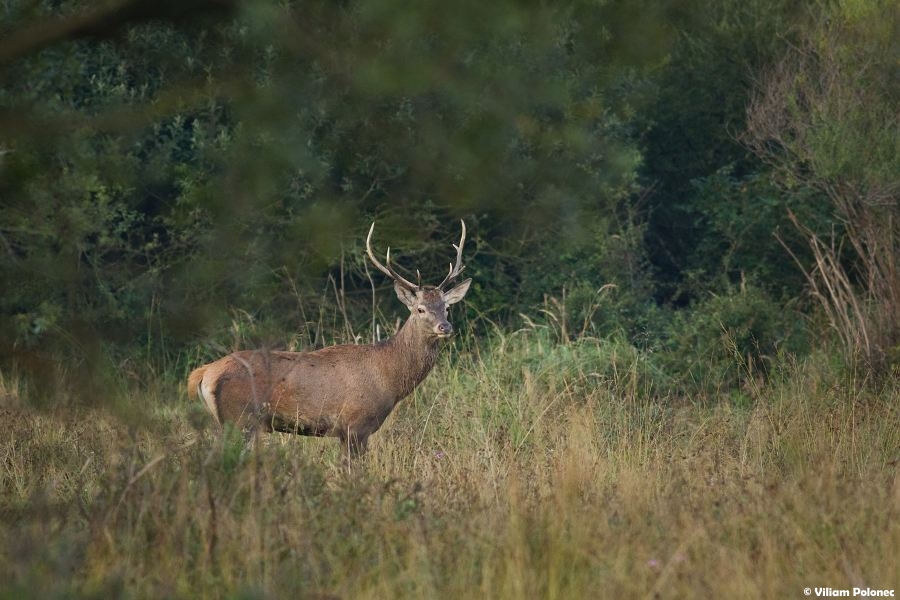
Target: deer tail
<point x="208" y="395"/>
<point x="193" y="383"/>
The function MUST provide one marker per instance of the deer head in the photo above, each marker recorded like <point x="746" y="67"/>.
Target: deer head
<point x="427" y="304"/>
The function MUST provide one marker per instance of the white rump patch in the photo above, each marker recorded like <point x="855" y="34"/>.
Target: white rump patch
<point x="206" y="390"/>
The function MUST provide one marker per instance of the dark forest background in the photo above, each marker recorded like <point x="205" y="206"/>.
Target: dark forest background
<point x="699" y="181"/>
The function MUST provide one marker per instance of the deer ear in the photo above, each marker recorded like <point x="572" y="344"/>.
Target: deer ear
<point x="456" y="294"/>
<point x="406" y="296"/>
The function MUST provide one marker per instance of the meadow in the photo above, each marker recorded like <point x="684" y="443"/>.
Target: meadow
<point x="522" y="468"/>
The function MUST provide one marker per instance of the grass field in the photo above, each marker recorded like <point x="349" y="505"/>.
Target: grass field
<point x="520" y="469"/>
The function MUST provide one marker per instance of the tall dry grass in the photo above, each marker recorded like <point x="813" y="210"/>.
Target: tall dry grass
<point x="520" y="469"/>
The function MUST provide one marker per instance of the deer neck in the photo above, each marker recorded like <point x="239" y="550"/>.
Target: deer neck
<point x="410" y="356"/>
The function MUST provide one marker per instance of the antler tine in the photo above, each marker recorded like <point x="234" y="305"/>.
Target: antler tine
<point x="371" y="254"/>
<point x="387" y="270"/>
<point x="459" y="267"/>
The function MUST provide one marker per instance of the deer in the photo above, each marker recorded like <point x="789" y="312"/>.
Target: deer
<point x="345" y="391"/>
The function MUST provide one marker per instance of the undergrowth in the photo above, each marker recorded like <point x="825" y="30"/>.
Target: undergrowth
<point x="521" y="468"/>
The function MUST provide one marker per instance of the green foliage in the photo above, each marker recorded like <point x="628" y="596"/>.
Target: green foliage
<point x="178" y="181"/>
<point x="745" y="220"/>
<point x="688" y="126"/>
<point x="157" y="181"/>
<point x="824" y="118"/>
<point x="730" y="340"/>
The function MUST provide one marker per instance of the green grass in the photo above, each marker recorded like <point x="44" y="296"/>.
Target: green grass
<point x="520" y="469"/>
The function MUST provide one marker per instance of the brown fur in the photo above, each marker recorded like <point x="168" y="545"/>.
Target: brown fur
<point x="342" y="391"/>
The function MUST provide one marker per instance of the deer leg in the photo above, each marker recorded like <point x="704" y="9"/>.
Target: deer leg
<point x="248" y="434"/>
<point x="353" y="445"/>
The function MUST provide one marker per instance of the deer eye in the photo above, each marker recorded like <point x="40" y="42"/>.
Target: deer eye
<point x="421" y="310"/>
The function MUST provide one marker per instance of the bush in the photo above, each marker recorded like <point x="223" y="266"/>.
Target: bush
<point x="725" y="341"/>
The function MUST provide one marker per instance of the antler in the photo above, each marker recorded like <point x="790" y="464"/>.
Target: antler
<point x="455" y="270"/>
<point x="387" y="270"/>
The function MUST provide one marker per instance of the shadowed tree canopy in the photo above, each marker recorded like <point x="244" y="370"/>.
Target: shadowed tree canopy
<point x="171" y="171"/>
<point x="164" y="163"/>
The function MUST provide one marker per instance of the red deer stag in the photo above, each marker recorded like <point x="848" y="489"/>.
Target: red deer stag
<point x="342" y="391"/>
